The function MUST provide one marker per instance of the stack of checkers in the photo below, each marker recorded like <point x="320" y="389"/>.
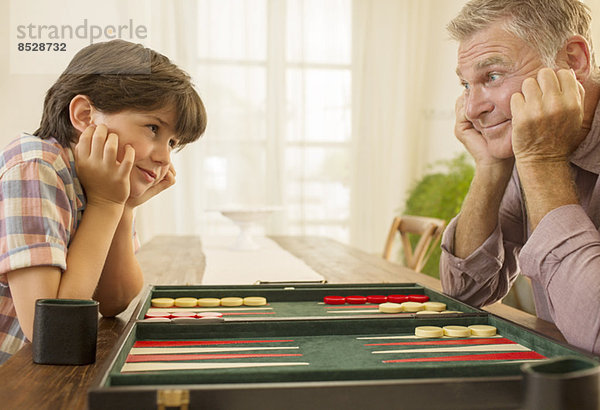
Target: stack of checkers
<point x="360" y="300"/>
<point x="157" y="316"/>
<point x="414" y="307"/>
<point x="208" y="302"/>
<point x="455" y="331"/>
<point x="187" y="307"/>
<point x="419" y="304"/>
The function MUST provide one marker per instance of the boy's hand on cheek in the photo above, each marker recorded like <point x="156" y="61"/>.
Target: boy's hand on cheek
<point x="104" y="178"/>
<point x="167" y="181"/>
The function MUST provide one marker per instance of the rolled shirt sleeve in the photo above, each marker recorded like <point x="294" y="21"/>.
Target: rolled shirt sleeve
<point x="480" y="279"/>
<point x="562" y="258"/>
<point x="485" y="276"/>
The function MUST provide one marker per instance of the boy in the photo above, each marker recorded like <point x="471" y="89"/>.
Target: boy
<point x="67" y="193"/>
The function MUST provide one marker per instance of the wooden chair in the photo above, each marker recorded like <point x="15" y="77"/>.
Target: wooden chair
<point x="430" y="231"/>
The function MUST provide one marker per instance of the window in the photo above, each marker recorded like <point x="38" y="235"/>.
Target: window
<point x="276" y="78"/>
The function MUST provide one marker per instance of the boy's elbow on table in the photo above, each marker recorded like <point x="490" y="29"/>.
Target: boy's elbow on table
<point x="115" y="307"/>
<point x="112" y="310"/>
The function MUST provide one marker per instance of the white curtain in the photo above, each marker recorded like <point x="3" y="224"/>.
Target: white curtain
<point x="335" y="176"/>
<point x="389" y="55"/>
<point x="275" y="78"/>
<point x="374" y="169"/>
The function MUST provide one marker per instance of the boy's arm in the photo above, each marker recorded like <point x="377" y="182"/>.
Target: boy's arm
<point x="122" y="277"/>
<point x="85" y="259"/>
<point x="106" y="182"/>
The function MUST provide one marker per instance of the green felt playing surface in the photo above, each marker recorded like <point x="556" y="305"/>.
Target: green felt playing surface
<point x="333" y="348"/>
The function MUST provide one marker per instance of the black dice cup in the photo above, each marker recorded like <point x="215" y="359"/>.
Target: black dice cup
<point x="65" y="331"/>
<point x="561" y="383"/>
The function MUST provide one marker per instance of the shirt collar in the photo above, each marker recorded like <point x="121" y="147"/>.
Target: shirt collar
<point x="587" y="155"/>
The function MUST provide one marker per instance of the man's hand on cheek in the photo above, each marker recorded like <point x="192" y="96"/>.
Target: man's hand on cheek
<point x="467" y="134"/>
<point x="475" y="142"/>
<point x="167" y="181"/>
<point x="547" y="117"/>
<point x="104" y="178"/>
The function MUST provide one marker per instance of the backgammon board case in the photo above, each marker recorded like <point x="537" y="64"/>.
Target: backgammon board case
<point x="296" y="352"/>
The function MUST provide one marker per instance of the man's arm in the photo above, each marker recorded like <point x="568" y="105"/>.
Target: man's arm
<point x="481" y="280"/>
<point x="547" y="128"/>
<point x="563" y="253"/>
<point x="562" y="257"/>
<point x="478" y="262"/>
<point x="479" y="212"/>
<point x="478" y="217"/>
<point x="485" y="275"/>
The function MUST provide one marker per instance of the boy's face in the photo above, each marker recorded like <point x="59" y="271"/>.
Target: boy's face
<point x="152" y="135"/>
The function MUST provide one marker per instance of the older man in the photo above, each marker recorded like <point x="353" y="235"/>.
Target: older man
<point x="530" y="117"/>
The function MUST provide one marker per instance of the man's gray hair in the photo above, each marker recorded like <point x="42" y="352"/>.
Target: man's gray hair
<point x="544" y="24"/>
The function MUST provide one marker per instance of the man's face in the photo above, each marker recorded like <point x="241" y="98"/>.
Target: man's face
<point x="492" y="65"/>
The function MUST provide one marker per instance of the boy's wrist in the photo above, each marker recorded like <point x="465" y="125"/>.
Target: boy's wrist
<point x="127" y="216"/>
<point x="111" y="210"/>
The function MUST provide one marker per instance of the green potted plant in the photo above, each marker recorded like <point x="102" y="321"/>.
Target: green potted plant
<point x="440" y="194"/>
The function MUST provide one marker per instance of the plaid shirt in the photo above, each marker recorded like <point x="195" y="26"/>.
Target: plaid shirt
<point x="41" y="204"/>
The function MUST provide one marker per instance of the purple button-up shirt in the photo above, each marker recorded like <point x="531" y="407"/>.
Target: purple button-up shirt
<point x="561" y="257"/>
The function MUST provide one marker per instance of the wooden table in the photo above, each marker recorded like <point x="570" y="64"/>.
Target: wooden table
<point x="179" y="260"/>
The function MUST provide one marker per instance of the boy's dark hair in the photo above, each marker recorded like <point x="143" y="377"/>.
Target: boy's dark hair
<point x="119" y="75"/>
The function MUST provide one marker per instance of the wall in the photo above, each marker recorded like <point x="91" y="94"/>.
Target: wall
<point x="442" y="87"/>
<point x="21" y="95"/>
